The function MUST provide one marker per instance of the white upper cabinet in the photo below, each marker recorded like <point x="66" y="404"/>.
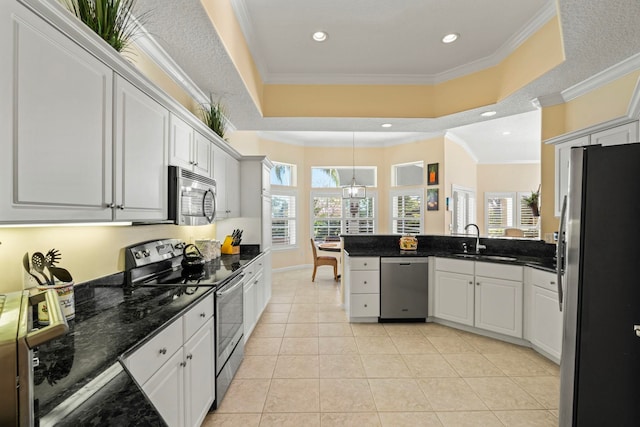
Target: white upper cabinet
<point x="55" y="124"/>
<point x="141" y="143"/>
<point x="189" y="149"/>
<point x="623" y="134"/>
<point x="226" y="172"/>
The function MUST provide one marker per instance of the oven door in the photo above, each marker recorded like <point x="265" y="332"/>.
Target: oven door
<point x="229" y="323"/>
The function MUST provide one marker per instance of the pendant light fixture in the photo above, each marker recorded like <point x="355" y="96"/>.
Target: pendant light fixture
<point x="354" y="191"/>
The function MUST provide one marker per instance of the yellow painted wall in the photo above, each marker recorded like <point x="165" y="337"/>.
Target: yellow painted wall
<point x="88" y="252"/>
<point x="459" y="169"/>
<point x="504" y="177"/>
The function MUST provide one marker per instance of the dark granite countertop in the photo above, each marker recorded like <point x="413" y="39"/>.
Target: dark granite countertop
<point x="535" y="254"/>
<point x="110" y="320"/>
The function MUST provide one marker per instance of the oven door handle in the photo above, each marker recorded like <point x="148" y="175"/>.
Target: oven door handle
<point x="222" y="294"/>
<point x="58" y="325"/>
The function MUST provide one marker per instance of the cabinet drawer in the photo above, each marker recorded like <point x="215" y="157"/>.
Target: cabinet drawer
<point x="365" y="282"/>
<point x="152" y="355"/>
<point x="544" y="279"/>
<point x="365" y="305"/>
<point x="249" y="272"/>
<point x="500" y="271"/>
<point x="198" y="316"/>
<point x="454" y="265"/>
<point x="364" y="263"/>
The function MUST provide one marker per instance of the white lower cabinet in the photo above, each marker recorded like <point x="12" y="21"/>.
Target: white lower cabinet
<point x="454" y="294"/>
<point x="544" y="321"/>
<point x="484" y="295"/>
<point x="362" y="288"/>
<point x="257" y="291"/>
<point x="177" y="367"/>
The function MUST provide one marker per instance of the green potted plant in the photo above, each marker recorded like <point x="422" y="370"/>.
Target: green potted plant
<point x="533" y="201"/>
<point x="112" y="20"/>
<point x="214" y="116"/>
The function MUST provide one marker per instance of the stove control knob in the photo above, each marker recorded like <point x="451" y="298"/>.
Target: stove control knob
<point x="146" y="253"/>
<point x="138" y="255"/>
<point x="179" y="246"/>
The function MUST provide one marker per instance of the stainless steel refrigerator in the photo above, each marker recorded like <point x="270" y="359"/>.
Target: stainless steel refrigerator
<point x="600" y="369"/>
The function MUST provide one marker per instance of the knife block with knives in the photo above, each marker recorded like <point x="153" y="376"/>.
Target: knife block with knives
<point x="231" y="244"/>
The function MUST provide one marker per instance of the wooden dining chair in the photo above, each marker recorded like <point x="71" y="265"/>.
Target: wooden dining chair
<point x="319" y="261"/>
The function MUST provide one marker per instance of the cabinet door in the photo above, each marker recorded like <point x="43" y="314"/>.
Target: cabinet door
<point x="199" y="375"/>
<point x="545" y="321"/>
<point x="166" y="390"/>
<point x="141" y="142"/>
<point x="220" y="175"/>
<point x="233" y="187"/>
<point x="266" y="223"/>
<point x="55" y="124"/>
<point x="563" y="157"/>
<point x="249" y="309"/>
<point x="498" y="305"/>
<point x="180" y="143"/>
<point x="454" y="295"/>
<point x="623" y="134"/>
<point x="202" y="155"/>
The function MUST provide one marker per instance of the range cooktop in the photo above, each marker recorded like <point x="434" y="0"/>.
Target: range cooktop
<point x="158" y="262"/>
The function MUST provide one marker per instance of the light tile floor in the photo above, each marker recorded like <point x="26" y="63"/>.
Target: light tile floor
<point x="305" y="365"/>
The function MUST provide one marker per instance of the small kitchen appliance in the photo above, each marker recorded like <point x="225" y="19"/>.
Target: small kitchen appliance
<point x="192" y="197"/>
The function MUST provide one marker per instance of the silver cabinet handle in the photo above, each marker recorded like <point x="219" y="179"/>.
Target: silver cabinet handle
<point x="477" y="283"/>
<point x="163" y="351"/>
<point x="183" y="364"/>
<point x="121" y="207"/>
<point x="110" y="205"/>
<point x="637" y="329"/>
<point x="202" y="315"/>
<point x="470" y="282"/>
<point x="189" y="356"/>
<point x="365" y="282"/>
<point x="366" y="305"/>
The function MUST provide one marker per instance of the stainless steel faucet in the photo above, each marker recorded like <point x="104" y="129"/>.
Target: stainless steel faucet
<point x="478" y="245"/>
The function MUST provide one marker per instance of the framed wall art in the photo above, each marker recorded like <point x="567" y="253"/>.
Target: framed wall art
<point x="432" y="174"/>
<point x="432" y="199"/>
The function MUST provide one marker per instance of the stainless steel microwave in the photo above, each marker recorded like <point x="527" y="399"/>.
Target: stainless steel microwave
<point x="192" y="197"/>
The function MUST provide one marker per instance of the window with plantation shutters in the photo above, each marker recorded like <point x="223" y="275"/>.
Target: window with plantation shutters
<point x="331" y="215"/>
<point x="464" y="208"/>
<point x="406" y="212"/>
<point x="505" y="210"/>
<point x="283" y="219"/>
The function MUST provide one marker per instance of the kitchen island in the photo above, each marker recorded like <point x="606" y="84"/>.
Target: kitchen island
<point x="508" y="291"/>
<point x="85" y="365"/>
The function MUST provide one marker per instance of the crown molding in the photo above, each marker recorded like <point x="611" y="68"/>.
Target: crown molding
<point x="343" y="139"/>
<point x="602" y="78"/>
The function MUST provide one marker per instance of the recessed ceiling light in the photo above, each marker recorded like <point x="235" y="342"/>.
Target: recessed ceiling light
<point x="488" y="114"/>
<point x="506" y="132"/>
<point x="319" y="36"/>
<point x="450" y="38"/>
<point x="386" y="125"/>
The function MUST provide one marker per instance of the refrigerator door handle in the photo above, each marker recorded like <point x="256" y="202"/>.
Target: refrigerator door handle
<point x="560" y="250"/>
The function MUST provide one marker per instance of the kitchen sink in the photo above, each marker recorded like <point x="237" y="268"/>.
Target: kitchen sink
<point x="481" y="257"/>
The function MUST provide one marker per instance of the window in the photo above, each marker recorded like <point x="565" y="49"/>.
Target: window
<point x="406" y="212"/>
<point x="283" y="219"/>
<point x="283" y="174"/>
<point x="464" y="208"/>
<point x="283" y="205"/>
<point x="336" y="177"/>
<point x="508" y="210"/>
<point x="331" y="215"/>
<point x="407" y="174"/>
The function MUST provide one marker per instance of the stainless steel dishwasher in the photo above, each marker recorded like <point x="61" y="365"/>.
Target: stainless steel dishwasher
<point x="404" y="288"/>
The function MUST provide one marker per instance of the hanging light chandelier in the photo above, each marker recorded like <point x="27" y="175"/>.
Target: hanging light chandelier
<point x="354" y="191"/>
